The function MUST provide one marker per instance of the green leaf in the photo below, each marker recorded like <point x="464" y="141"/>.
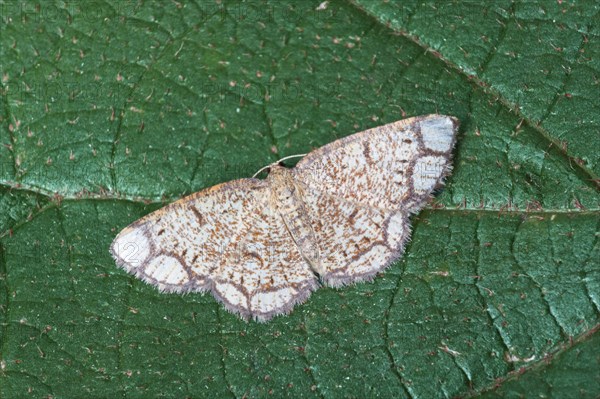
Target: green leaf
<point x="111" y="109"/>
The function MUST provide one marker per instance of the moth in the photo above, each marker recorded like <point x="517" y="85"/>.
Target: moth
<point x="261" y="246"/>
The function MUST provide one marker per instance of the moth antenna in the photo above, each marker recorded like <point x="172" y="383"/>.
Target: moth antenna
<point x="275" y="163"/>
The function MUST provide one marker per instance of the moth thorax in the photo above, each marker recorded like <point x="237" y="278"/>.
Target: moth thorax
<point x="282" y="182"/>
<point x="289" y="203"/>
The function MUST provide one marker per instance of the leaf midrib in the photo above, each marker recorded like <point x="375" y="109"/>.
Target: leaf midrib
<point x="478" y="84"/>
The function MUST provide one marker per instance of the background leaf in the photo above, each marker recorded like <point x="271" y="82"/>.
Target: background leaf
<point x="111" y="109"/>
